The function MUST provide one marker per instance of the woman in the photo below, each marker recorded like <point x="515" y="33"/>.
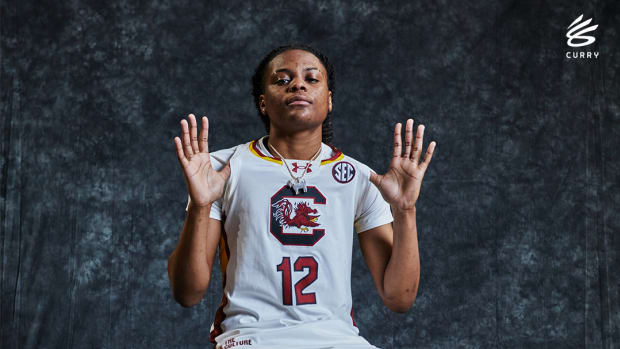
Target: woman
<point x="281" y="209"/>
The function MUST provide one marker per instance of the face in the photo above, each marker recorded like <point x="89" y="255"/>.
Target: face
<point x="296" y="73"/>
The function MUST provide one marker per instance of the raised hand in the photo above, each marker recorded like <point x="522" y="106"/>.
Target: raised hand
<point x="400" y="185"/>
<point x="204" y="183"/>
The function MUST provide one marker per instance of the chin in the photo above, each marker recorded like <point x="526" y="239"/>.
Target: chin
<point x="298" y="122"/>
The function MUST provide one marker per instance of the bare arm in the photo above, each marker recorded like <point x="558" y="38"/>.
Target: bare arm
<point x="392" y="252"/>
<point x="393" y="260"/>
<point x="191" y="263"/>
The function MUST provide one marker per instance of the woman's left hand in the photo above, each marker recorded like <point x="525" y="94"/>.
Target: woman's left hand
<point x="400" y="186"/>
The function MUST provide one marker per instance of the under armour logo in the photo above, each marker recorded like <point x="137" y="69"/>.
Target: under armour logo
<point x="296" y="166"/>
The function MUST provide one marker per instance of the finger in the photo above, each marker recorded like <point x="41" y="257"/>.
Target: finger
<point x="187" y="147"/>
<point x="417" y="148"/>
<point x="204" y="136"/>
<point x="193" y="132"/>
<point x="429" y="155"/>
<point x="180" y="155"/>
<point x="408" y="136"/>
<point x="397" y="146"/>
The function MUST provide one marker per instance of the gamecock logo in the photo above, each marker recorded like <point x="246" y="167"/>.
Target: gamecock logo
<point x="294" y="217"/>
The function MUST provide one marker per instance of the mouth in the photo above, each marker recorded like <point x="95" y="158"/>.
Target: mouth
<point x="298" y="100"/>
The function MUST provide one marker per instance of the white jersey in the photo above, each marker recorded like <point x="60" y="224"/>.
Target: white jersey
<point x="286" y="257"/>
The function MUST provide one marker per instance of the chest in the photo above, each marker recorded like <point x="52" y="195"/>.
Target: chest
<point x="262" y="202"/>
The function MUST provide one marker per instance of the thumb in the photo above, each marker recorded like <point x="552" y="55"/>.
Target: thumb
<point x="375" y="178"/>
<point x="226" y="169"/>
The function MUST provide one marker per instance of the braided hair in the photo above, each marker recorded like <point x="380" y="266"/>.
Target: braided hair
<point x="258" y="84"/>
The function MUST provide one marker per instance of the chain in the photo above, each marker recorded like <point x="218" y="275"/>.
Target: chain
<point x="289" y="170"/>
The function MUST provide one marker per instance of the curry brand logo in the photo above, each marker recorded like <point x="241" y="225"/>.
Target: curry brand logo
<point x="575" y="32"/>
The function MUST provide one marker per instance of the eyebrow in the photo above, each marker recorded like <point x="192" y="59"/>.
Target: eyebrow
<point x="289" y="71"/>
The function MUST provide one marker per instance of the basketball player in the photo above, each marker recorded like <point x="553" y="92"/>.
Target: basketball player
<point x="282" y="209"/>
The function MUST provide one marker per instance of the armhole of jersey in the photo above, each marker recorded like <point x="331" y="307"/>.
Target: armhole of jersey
<point x="220" y="315"/>
<point x="224" y="250"/>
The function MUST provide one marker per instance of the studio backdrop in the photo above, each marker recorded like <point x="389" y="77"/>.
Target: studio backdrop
<point x="518" y="218"/>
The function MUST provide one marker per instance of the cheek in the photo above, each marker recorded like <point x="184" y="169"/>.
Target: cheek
<point x="270" y="98"/>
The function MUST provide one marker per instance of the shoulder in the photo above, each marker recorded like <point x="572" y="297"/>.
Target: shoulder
<point x="225" y="154"/>
<point x="361" y="169"/>
<point x="220" y="157"/>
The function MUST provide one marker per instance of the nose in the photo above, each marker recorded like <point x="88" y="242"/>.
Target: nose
<point x="296" y="84"/>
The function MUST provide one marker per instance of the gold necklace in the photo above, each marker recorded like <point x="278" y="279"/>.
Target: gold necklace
<point x="296" y="183"/>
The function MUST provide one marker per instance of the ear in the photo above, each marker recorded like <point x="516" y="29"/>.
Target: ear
<point x="261" y="105"/>
<point x="330" y="101"/>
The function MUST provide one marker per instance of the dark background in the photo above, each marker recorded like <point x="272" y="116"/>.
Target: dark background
<point x="518" y="217"/>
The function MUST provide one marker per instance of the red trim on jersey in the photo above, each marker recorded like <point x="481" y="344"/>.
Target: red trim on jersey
<point x="337" y="154"/>
<point x="255" y="148"/>
<point x="352" y="319"/>
<point x="219" y="317"/>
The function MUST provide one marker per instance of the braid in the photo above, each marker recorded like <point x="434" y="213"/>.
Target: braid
<point x="327" y="130"/>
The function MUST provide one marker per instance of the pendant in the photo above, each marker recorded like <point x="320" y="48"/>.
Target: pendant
<point x="297" y="185"/>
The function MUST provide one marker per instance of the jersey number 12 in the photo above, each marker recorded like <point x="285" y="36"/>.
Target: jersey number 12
<point x="304" y="262"/>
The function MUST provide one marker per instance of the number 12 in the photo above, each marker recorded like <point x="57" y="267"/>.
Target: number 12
<point x="305" y="262"/>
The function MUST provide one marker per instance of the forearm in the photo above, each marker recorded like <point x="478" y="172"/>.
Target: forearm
<point x="188" y="269"/>
<point x="402" y="274"/>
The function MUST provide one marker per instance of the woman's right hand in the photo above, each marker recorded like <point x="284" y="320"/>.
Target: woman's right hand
<point x="204" y="183"/>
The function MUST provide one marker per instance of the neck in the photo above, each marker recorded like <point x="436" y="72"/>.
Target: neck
<point x="300" y="146"/>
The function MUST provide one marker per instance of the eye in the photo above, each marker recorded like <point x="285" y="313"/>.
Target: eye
<point x="281" y="81"/>
<point x="313" y="80"/>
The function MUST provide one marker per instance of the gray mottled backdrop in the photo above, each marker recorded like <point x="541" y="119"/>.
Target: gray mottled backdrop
<point x="518" y="217"/>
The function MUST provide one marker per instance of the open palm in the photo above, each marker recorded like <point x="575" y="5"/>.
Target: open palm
<point x="204" y="183"/>
<point x="400" y="185"/>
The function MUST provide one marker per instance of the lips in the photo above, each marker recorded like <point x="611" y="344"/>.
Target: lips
<point x="298" y="100"/>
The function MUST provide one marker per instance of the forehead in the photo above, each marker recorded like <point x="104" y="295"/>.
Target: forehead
<point x="293" y="59"/>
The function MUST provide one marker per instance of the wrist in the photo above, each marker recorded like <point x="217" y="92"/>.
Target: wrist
<point x="403" y="211"/>
<point x="195" y="207"/>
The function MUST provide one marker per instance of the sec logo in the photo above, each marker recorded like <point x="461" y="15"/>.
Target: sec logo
<point x="343" y="172"/>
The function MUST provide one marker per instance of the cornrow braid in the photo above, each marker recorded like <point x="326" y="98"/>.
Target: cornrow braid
<point x="258" y="84"/>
